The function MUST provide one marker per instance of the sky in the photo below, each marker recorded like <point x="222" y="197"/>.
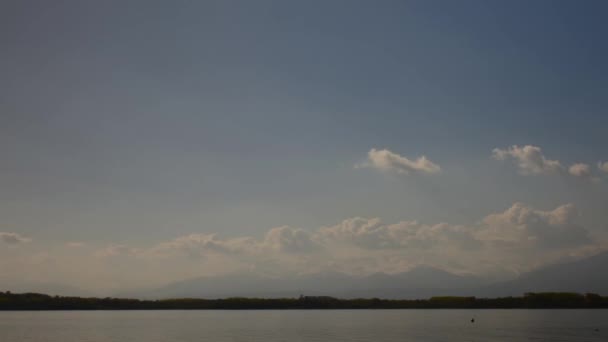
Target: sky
<point x="144" y="142"/>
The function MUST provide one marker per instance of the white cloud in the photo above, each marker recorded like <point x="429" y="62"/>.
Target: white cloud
<point x="12" y="238"/>
<point x="373" y="234"/>
<point x="358" y="231"/>
<point x="386" y="160"/>
<point x="201" y="244"/>
<point x="518" y="238"/>
<point x="529" y="159"/>
<point x="520" y="227"/>
<point x="603" y="166"/>
<point x="283" y="239"/>
<point x="523" y="225"/>
<point x="289" y="240"/>
<point x="580" y="170"/>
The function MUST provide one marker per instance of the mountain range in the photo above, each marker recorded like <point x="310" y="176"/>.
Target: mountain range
<point x="582" y="275"/>
<point x="585" y="275"/>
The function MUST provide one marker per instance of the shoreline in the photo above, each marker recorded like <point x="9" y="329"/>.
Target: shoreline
<point x="546" y="300"/>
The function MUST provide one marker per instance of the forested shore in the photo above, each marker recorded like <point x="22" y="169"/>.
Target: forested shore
<point x="36" y="301"/>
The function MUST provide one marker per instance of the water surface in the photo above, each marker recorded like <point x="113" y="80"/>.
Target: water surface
<point x="304" y="325"/>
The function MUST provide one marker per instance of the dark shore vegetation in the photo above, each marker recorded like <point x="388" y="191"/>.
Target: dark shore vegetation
<point x="36" y="301"/>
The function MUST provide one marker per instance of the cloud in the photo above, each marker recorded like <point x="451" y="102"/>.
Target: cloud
<point x="523" y="226"/>
<point x="515" y="239"/>
<point x="519" y="227"/>
<point x="373" y="234"/>
<point x="386" y="160"/>
<point x="603" y="166"/>
<point x="289" y="240"/>
<point x="580" y="170"/>
<point x="75" y="244"/>
<point x="197" y="245"/>
<point x="12" y="238"/>
<point x="529" y="159"/>
<point x="283" y="239"/>
<point x="370" y="233"/>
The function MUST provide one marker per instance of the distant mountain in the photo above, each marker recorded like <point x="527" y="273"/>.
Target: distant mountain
<point x="420" y="282"/>
<point x="585" y="275"/>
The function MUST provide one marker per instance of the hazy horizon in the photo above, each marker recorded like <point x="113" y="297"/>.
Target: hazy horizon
<point x="150" y="142"/>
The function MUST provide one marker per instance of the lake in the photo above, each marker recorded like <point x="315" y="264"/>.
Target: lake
<point x="304" y="325"/>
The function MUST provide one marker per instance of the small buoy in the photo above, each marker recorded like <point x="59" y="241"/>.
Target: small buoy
<point x="472" y="320"/>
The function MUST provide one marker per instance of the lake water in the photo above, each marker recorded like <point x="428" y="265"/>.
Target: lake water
<point x="305" y="325"/>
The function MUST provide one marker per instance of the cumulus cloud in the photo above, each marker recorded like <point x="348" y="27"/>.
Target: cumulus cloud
<point x="580" y="170"/>
<point x="289" y="240"/>
<point x="373" y="234"/>
<point x="518" y="238"/>
<point x="603" y="166"/>
<point x="200" y="244"/>
<point x="283" y="239"/>
<point x="521" y="224"/>
<point x="386" y="160"/>
<point x="358" y="231"/>
<point x="518" y="227"/>
<point x="12" y="238"/>
<point x="529" y="159"/>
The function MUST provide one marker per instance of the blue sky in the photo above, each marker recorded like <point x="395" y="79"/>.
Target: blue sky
<point x="139" y="122"/>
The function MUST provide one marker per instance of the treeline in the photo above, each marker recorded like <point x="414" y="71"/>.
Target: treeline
<point x="36" y="301"/>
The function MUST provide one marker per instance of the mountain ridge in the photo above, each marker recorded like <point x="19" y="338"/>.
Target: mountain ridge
<point x="582" y="275"/>
<point x="585" y="275"/>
